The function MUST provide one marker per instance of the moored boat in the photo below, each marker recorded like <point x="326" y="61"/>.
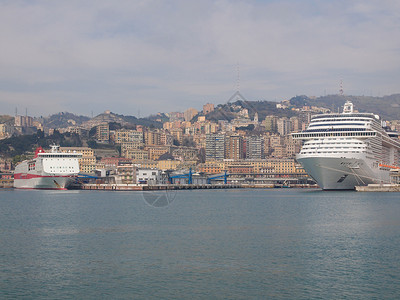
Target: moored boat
<point x="47" y="170"/>
<point x="341" y="151"/>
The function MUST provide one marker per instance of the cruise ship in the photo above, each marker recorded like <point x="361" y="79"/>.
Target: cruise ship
<point x="47" y="170"/>
<point x="348" y="149"/>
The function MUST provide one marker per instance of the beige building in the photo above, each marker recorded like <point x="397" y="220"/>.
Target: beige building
<point x="126" y="174"/>
<point x="292" y="146"/>
<point x="210" y="127"/>
<point x="276" y="140"/>
<point x="200" y="140"/>
<point x="167" y="139"/>
<point x="131" y="145"/>
<point x="177" y="133"/>
<point x="168" y="164"/>
<point x="128" y="136"/>
<point x="211" y="167"/>
<point x="146" y="164"/>
<point x="156" y="151"/>
<point x="23" y="121"/>
<point x="78" y="130"/>
<point x="189" y="114"/>
<point x="271" y="166"/>
<point x="136" y="154"/>
<point x="207" y="108"/>
<point x="6" y="131"/>
<point x="279" y="151"/>
<point x="184" y="153"/>
<point x="152" y="138"/>
<point x="270" y="123"/>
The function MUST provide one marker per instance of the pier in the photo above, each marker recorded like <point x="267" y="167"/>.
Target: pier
<point x="379" y="188"/>
<point x="138" y="187"/>
<point x="134" y="187"/>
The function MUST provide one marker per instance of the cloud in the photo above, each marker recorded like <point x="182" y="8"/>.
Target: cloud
<point x="85" y="56"/>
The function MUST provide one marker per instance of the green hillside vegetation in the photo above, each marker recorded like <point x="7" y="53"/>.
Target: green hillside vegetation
<point x="18" y="145"/>
<point x="148" y="122"/>
<point x="127" y="121"/>
<point x="263" y="108"/>
<point x="63" y="119"/>
<point x="66" y="119"/>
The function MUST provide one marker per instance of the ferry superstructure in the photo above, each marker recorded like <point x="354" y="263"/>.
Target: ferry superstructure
<point x="47" y="170"/>
<point x="341" y="151"/>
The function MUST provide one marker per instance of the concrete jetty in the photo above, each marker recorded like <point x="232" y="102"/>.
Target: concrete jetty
<point x="379" y="188"/>
<point x="142" y="187"/>
<point x="137" y="187"/>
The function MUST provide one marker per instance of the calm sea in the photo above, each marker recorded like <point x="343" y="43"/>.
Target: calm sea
<point x="215" y="244"/>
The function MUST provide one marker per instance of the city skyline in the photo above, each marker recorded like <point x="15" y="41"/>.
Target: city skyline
<point x="152" y="56"/>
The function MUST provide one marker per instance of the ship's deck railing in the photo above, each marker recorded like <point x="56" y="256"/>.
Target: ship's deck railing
<point x="312" y="135"/>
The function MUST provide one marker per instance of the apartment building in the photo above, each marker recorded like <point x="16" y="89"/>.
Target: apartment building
<point x="234" y="147"/>
<point x="103" y="132"/>
<point x="152" y="138"/>
<point x="215" y="146"/>
<point x="254" y="147"/>
<point x="128" y="136"/>
<point x="136" y="154"/>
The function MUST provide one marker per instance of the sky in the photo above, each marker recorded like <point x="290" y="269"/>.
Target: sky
<point x="145" y="56"/>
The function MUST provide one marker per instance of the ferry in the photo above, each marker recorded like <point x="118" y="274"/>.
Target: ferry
<point x="53" y="170"/>
<point x="348" y="149"/>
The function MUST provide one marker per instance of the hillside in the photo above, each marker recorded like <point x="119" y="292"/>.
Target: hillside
<point x="128" y="121"/>
<point x="6" y="119"/>
<point x="388" y="107"/>
<point x="63" y="119"/>
<point x="21" y="144"/>
<point x="263" y="108"/>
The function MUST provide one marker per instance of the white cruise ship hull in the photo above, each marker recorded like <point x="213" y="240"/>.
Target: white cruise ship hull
<point x="47" y="170"/>
<point x="341" y="151"/>
<point x="338" y="173"/>
<point x="30" y="181"/>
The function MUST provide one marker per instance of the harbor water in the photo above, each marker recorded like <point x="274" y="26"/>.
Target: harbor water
<point x="199" y="244"/>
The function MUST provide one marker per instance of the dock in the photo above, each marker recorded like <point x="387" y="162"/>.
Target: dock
<point x="379" y="188"/>
<point x="6" y="183"/>
<point x="138" y="187"/>
<point x="143" y="187"/>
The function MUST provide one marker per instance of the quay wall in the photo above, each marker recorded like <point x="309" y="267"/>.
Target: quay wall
<point x="379" y="188"/>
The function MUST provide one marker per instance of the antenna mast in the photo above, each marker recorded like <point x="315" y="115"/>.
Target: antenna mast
<point x="238" y="80"/>
<point x="341" y="88"/>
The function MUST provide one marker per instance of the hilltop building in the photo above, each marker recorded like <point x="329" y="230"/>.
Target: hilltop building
<point x="207" y="108"/>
